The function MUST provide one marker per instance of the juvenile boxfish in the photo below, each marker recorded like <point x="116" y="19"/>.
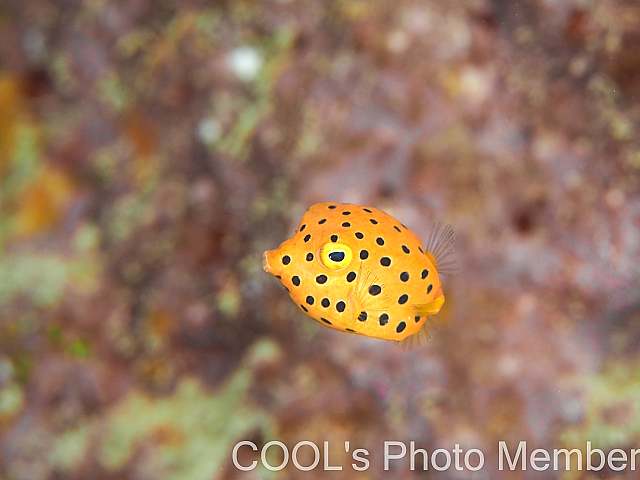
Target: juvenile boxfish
<point x="358" y="270"/>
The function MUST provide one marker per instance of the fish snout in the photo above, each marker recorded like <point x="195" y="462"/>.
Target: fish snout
<point x="265" y="261"/>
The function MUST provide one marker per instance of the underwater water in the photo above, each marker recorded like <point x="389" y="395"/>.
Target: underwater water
<point x="150" y="152"/>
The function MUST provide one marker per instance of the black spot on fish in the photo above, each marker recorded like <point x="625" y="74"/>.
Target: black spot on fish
<point x="334" y="238"/>
<point x="340" y="306"/>
<point x="404" y="276"/>
<point x="384" y="319"/>
<point x="375" y="289"/>
<point x="322" y="221"/>
<point x="380" y="241"/>
<point x="325" y="321"/>
<point x="325" y="302"/>
<point x="385" y="261"/>
<point x="397" y="229"/>
<point x="373" y="220"/>
<point x="359" y="235"/>
<point x="351" y="277"/>
<point x="309" y="257"/>
<point x="310" y="300"/>
<point x="367" y="210"/>
<point x="346" y="213"/>
<point x="403" y="299"/>
<point x="429" y="288"/>
<point x="364" y="254"/>
<point x="401" y="326"/>
<point x="346" y="224"/>
<point x="331" y="207"/>
<point x="307" y="238"/>
<point x="425" y="272"/>
<point x="304" y="308"/>
<point x="321" y="278"/>
<point x="405" y="249"/>
<point x="296" y="280"/>
<point x="362" y="317"/>
<point x="303" y="227"/>
<point x="286" y="260"/>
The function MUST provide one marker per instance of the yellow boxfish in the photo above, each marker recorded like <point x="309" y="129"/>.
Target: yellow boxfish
<point x="358" y="270"/>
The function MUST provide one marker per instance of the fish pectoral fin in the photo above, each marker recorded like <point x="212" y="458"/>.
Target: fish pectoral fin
<point x="431" y="308"/>
<point x="353" y="305"/>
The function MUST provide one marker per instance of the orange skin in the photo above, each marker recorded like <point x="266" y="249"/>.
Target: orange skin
<point x="385" y="314"/>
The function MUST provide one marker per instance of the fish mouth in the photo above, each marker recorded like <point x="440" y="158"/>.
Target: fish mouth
<point x="265" y="262"/>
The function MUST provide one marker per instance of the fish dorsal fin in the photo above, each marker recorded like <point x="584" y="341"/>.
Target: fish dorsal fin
<point x="423" y="335"/>
<point x="439" y="247"/>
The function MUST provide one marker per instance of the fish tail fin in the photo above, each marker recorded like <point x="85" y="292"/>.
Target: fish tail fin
<point x="440" y="247"/>
<point x="428" y="309"/>
<point x="423" y="336"/>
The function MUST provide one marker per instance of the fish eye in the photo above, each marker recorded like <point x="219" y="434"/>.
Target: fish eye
<point x="335" y="256"/>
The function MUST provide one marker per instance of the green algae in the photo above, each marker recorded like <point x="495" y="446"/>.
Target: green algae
<point x="188" y="435"/>
<point x="612" y="408"/>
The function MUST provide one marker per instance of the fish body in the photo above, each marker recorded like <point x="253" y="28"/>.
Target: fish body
<point x="359" y="270"/>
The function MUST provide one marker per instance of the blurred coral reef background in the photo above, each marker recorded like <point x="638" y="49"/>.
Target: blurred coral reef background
<point x="150" y="151"/>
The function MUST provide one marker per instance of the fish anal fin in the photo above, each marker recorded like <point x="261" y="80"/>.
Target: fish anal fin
<point x="421" y="336"/>
<point x="431" y="308"/>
